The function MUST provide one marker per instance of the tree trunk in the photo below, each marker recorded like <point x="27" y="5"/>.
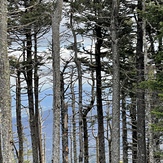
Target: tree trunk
<point x="64" y="122"/>
<point x="99" y="94"/>
<point x="78" y="64"/>
<point x="124" y="130"/>
<point x="29" y="80"/>
<point x="149" y="75"/>
<point x="56" y="18"/>
<point x="19" y="118"/>
<point x="79" y="71"/>
<point x="116" y="85"/>
<point x="86" y="154"/>
<point x="85" y="126"/>
<point x="36" y="96"/>
<point x="141" y="141"/>
<point x="73" y="123"/>
<point x="5" y="99"/>
<point x="134" y="130"/>
<point x="65" y="148"/>
<point x="108" y="135"/>
<point x="1" y="157"/>
<point x="97" y="149"/>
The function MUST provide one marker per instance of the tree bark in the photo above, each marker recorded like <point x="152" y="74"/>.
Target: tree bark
<point x="29" y="81"/>
<point x="116" y="85"/>
<point x="5" y="99"/>
<point x="78" y="65"/>
<point x="36" y="97"/>
<point x="79" y="71"/>
<point x="133" y="114"/>
<point x="124" y="130"/>
<point x="85" y="126"/>
<point x="56" y="18"/>
<point x="64" y="121"/>
<point x="1" y="156"/>
<point x="19" y="118"/>
<point x="108" y="135"/>
<point x="86" y="154"/>
<point x="99" y="94"/>
<point x="149" y="75"/>
<point x="141" y="140"/>
<point x="97" y="150"/>
<point x="73" y="123"/>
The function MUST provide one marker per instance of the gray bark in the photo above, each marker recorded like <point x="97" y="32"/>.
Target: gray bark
<point x="149" y="75"/>
<point x="56" y="18"/>
<point x="108" y="134"/>
<point x="73" y="123"/>
<point x="79" y="71"/>
<point x="116" y="86"/>
<point x="5" y="99"/>
<point x="97" y="149"/>
<point x="85" y="126"/>
<point x="149" y="96"/>
<point x="124" y="129"/>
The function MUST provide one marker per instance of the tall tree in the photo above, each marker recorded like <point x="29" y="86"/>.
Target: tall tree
<point x="36" y="99"/>
<point x="56" y="18"/>
<point x="141" y="141"/>
<point x="99" y="93"/>
<point x="124" y="129"/>
<point x="116" y="84"/>
<point x="153" y="29"/>
<point x="19" y="117"/>
<point x="29" y="80"/>
<point x="64" y="118"/>
<point x="73" y="98"/>
<point x="80" y="88"/>
<point x="85" y="125"/>
<point x="98" y="53"/>
<point x="5" y="99"/>
<point x="134" y="130"/>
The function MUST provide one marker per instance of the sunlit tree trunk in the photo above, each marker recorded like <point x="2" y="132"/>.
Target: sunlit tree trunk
<point x="56" y="18"/>
<point x="5" y="99"/>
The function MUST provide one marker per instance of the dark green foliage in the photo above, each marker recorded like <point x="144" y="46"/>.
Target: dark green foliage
<point x="26" y="16"/>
